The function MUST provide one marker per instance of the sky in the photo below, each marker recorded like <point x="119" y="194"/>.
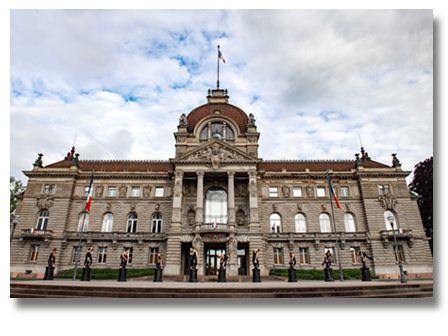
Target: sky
<point x="317" y="81"/>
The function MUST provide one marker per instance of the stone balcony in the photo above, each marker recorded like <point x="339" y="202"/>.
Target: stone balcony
<point x="30" y="233"/>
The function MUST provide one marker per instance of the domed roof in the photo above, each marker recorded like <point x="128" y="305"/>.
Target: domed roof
<point x="228" y="110"/>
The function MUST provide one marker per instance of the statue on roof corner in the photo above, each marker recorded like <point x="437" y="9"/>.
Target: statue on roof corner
<point x="38" y="161"/>
<point x="251" y="121"/>
<point x="183" y="120"/>
<point x="395" y="161"/>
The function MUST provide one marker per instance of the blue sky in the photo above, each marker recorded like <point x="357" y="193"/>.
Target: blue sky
<point x="315" y="80"/>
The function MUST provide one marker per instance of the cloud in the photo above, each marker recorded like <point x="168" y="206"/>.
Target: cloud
<point x="315" y="80"/>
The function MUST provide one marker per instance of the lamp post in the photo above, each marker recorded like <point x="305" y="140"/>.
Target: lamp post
<point x="391" y="221"/>
<point x="15" y="221"/>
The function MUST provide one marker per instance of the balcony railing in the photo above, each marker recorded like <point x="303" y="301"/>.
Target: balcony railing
<point x="35" y="233"/>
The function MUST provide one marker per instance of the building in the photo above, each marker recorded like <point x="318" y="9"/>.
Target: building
<point x="216" y="176"/>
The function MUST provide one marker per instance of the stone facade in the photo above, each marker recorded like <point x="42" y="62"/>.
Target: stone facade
<point x="161" y="207"/>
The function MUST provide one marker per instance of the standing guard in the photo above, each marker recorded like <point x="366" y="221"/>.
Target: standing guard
<point x="291" y="271"/>
<point x="87" y="263"/>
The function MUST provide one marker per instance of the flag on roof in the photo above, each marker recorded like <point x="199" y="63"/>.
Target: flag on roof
<point x="89" y="195"/>
<point x="332" y="190"/>
<point x="220" y="56"/>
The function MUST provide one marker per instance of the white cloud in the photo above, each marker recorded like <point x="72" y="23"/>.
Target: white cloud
<point x="314" y="79"/>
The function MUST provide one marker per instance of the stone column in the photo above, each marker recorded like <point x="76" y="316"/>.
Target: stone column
<point x="231" y="198"/>
<point x="176" y="220"/>
<point x="253" y="200"/>
<point x="200" y="199"/>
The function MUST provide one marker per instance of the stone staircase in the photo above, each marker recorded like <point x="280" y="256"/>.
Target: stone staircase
<point x="98" y="289"/>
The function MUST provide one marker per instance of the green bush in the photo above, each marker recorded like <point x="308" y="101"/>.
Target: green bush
<point x="106" y="273"/>
<point x="349" y="274"/>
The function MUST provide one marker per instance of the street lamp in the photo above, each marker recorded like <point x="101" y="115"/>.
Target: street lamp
<point x="391" y="221"/>
<point x="15" y="221"/>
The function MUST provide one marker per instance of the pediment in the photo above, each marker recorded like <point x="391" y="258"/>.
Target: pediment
<point x="217" y="153"/>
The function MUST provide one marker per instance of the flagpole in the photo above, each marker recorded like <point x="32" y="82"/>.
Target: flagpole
<point x="78" y="249"/>
<point x="335" y="231"/>
<point x="217" y="83"/>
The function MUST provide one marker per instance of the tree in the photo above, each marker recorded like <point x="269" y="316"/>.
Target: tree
<point x="15" y="188"/>
<point x="422" y="185"/>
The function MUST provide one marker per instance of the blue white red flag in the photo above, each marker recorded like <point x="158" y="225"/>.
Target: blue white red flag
<point x="214" y="225"/>
<point x="400" y="230"/>
<point x="89" y="195"/>
<point x="332" y="190"/>
<point x="220" y="56"/>
<point x="32" y="230"/>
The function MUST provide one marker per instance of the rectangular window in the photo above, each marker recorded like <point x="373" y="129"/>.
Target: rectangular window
<point x="273" y="192"/>
<point x="74" y="254"/>
<point x="383" y="189"/>
<point x="159" y="191"/>
<point x="47" y="189"/>
<point x="153" y="255"/>
<point x="131" y="250"/>
<point x="34" y="252"/>
<point x="112" y="191"/>
<point x="400" y="255"/>
<point x="52" y="189"/>
<point x="345" y="191"/>
<point x="303" y="256"/>
<point x="355" y="257"/>
<point x="297" y="192"/>
<point x="320" y="191"/>
<point x="278" y="257"/>
<point x="86" y="191"/>
<point x="102" y="254"/>
<point x="136" y="191"/>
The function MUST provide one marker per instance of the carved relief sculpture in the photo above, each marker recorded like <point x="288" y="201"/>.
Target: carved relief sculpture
<point x="286" y="191"/>
<point x="309" y="191"/>
<point x="146" y="191"/>
<point x="387" y="202"/>
<point x="122" y="191"/>
<point x="99" y="190"/>
<point x="45" y="202"/>
<point x="241" y="190"/>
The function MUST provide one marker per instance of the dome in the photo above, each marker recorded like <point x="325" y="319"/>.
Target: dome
<point x="228" y="110"/>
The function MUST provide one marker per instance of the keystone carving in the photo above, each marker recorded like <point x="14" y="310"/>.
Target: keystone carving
<point x="45" y="202"/>
<point x="387" y="202"/>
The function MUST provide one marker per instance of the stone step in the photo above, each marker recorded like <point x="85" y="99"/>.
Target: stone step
<point x="69" y="290"/>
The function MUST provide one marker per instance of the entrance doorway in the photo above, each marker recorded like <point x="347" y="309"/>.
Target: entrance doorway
<point x="242" y="259"/>
<point x="185" y="259"/>
<point x="211" y="258"/>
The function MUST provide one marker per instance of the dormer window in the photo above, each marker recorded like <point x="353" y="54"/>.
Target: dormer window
<point x="217" y="130"/>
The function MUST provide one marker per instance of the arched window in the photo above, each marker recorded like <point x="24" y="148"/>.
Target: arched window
<point x="132" y="223"/>
<point x="42" y="221"/>
<point x="349" y="222"/>
<point x="84" y="217"/>
<point x="325" y="225"/>
<point x="216" y="206"/>
<point x="276" y="223"/>
<point x="217" y="131"/>
<point x="387" y="214"/>
<point x="300" y="223"/>
<point x="108" y="222"/>
<point x="156" y="223"/>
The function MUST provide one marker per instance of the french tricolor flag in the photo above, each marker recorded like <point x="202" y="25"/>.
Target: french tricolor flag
<point x="332" y="190"/>
<point x="214" y="225"/>
<point x="220" y="56"/>
<point x="400" y="230"/>
<point x="89" y="195"/>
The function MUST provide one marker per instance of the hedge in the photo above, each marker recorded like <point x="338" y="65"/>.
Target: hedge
<point x="105" y="273"/>
<point x="349" y="274"/>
